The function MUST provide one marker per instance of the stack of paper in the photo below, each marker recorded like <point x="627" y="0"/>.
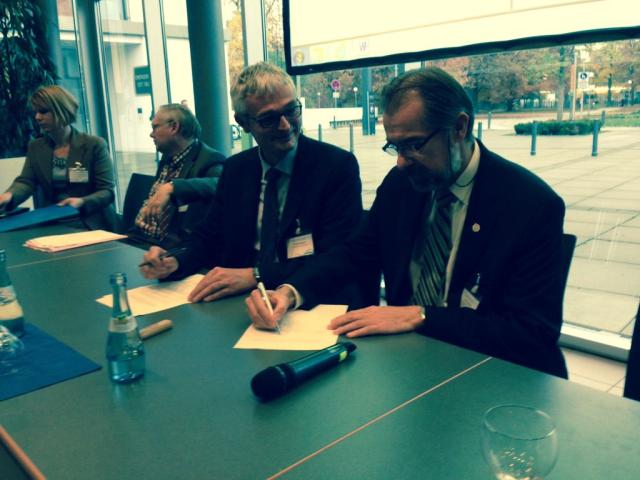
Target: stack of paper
<point x="157" y="297"/>
<point x="56" y="243"/>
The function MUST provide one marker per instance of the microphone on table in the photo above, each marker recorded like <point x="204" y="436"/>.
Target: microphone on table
<point x="279" y="379"/>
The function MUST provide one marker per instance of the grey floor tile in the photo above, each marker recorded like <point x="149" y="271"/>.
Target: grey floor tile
<point x="598" y="369"/>
<point x="617" y="391"/>
<point x="599" y="310"/>
<point x="628" y="330"/>
<point x="588" y="382"/>
<point x="609" y="251"/>
<point x="597" y="216"/>
<point x="609" y="203"/>
<point x="605" y="276"/>
<point x="623" y="234"/>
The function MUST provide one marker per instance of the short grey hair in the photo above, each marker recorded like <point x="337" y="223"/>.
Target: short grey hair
<point x="178" y="113"/>
<point x="261" y="79"/>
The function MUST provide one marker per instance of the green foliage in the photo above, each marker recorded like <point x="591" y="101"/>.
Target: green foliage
<point x="623" y="120"/>
<point x="554" y="127"/>
<point x="24" y="65"/>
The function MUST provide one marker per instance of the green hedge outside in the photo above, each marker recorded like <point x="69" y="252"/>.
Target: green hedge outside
<point x="554" y="127"/>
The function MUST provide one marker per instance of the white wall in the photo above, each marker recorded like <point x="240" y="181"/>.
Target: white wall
<point x="10" y="168"/>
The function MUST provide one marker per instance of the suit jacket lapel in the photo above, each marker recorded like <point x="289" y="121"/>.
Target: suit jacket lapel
<point x="299" y="177"/>
<point x="190" y="160"/>
<point x="481" y="215"/>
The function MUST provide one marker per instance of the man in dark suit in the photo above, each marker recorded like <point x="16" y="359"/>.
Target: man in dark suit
<point x="469" y="243"/>
<point x="277" y="205"/>
<point x="186" y="179"/>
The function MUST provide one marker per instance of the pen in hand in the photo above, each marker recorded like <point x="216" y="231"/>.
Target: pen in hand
<point x="172" y="252"/>
<point x="267" y="302"/>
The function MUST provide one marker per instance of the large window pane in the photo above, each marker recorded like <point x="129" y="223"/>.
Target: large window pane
<point x="128" y="85"/>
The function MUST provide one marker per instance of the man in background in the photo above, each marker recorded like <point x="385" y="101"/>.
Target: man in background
<point x="186" y="179"/>
<point x="277" y="205"/>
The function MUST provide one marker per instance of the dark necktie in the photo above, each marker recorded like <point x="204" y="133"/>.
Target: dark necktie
<point x="434" y="258"/>
<point x="270" y="218"/>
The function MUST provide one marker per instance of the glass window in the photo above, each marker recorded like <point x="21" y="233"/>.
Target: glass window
<point x="128" y="89"/>
<point x="602" y="193"/>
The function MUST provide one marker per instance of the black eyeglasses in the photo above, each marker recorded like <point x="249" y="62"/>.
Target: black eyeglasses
<point x="155" y="126"/>
<point x="410" y="147"/>
<point x="271" y="120"/>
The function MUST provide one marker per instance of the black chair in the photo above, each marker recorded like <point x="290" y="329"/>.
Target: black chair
<point x="137" y="193"/>
<point x="632" y="382"/>
<point x="568" y="246"/>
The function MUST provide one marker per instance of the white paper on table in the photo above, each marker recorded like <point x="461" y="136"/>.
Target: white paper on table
<point x="157" y="297"/>
<point x="57" y="243"/>
<point x="299" y="330"/>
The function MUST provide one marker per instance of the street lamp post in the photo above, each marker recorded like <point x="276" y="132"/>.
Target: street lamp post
<point x="355" y="96"/>
<point x="318" y="103"/>
<point x="630" y="82"/>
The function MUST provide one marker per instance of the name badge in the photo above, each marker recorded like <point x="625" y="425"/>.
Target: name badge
<point x="300" y="246"/>
<point x="469" y="300"/>
<point x="183" y="208"/>
<point x="78" y="175"/>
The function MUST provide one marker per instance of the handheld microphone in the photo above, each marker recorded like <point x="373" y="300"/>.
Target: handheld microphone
<point x="279" y="379"/>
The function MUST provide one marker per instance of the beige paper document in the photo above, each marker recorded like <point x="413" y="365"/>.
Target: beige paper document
<point x="299" y="330"/>
<point x="157" y="297"/>
<point x="57" y="243"/>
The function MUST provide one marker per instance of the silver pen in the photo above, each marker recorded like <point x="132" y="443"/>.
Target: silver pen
<point x="267" y="302"/>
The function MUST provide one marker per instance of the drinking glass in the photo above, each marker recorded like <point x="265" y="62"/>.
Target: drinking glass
<point x="10" y="348"/>
<point x="519" y="442"/>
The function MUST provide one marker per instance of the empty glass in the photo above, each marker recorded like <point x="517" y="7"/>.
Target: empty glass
<point x="10" y="348"/>
<point x="519" y="443"/>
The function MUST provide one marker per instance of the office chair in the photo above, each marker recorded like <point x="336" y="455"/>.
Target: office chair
<point x="632" y="382"/>
<point x="137" y="193"/>
<point x="568" y="246"/>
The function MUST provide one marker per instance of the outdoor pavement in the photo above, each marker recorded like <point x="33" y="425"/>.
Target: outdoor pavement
<point x="602" y="195"/>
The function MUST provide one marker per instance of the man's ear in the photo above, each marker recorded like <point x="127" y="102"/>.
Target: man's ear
<point x="461" y="126"/>
<point x="174" y="126"/>
<point x="241" y="120"/>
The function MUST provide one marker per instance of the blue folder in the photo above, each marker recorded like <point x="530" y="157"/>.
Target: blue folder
<point x="36" y="217"/>
<point x="44" y="361"/>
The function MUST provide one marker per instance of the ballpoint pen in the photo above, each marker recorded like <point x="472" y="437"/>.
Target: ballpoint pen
<point x="267" y="302"/>
<point x="172" y="252"/>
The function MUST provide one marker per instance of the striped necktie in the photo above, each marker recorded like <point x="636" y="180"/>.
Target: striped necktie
<point x="270" y="218"/>
<point x="437" y="246"/>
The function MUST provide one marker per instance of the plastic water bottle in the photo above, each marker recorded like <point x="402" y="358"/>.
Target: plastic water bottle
<point x="11" y="315"/>
<point x="125" y="352"/>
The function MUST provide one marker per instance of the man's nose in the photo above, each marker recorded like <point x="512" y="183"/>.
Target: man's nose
<point x="401" y="161"/>
<point x="283" y="124"/>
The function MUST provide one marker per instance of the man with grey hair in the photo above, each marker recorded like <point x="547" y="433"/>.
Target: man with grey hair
<point x="186" y="179"/>
<point x="277" y="205"/>
<point x="470" y="244"/>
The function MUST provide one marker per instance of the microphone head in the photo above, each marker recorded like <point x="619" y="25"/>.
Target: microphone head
<point x="270" y="383"/>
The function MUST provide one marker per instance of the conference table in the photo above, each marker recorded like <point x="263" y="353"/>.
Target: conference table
<point x="402" y="406"/>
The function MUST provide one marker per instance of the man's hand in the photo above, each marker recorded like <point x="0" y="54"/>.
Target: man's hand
<point x="281" y="300"/>
<point x="222" y="282"/>
<point x="75" y="202"/>
<point x="377" y="320"/>
<point x="5" y="198"/>
<point x="157" y="267"/>
<point x="156" y="204"/>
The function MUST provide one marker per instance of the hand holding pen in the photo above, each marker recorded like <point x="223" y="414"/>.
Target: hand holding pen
<point x="159" y="263"/>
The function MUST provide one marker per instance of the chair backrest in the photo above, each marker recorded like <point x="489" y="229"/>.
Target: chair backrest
<point x="137" y="193"/>
<point x="568" y="246"/>
<point x="632" y="382"/>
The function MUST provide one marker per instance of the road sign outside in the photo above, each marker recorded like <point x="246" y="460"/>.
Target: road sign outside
<point x="583" y="80"/>
<point x="335" y="84"/>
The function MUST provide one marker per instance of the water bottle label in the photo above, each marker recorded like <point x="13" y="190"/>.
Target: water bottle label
<point x="122" y="324"/>
<point x="7" y="294"/>
<point x="10" y="309"/>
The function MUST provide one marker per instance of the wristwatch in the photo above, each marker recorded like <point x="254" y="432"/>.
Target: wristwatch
<point x="256" y="274"/>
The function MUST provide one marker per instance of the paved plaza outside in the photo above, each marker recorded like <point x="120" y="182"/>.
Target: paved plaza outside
<point x="602" y="195"/>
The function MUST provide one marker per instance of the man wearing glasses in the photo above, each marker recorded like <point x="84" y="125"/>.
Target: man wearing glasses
<point x="186" y="179"/>
<point x="469" y="243"/>
<point x="276" y="206"/>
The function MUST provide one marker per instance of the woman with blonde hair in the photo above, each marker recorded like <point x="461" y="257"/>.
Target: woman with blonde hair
<point x="69" y="167"/>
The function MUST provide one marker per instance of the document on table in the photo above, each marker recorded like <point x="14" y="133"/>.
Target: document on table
<point x="57" y="243"/>
<point x="299" y="330"/>
<point x="157" y="297"/>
